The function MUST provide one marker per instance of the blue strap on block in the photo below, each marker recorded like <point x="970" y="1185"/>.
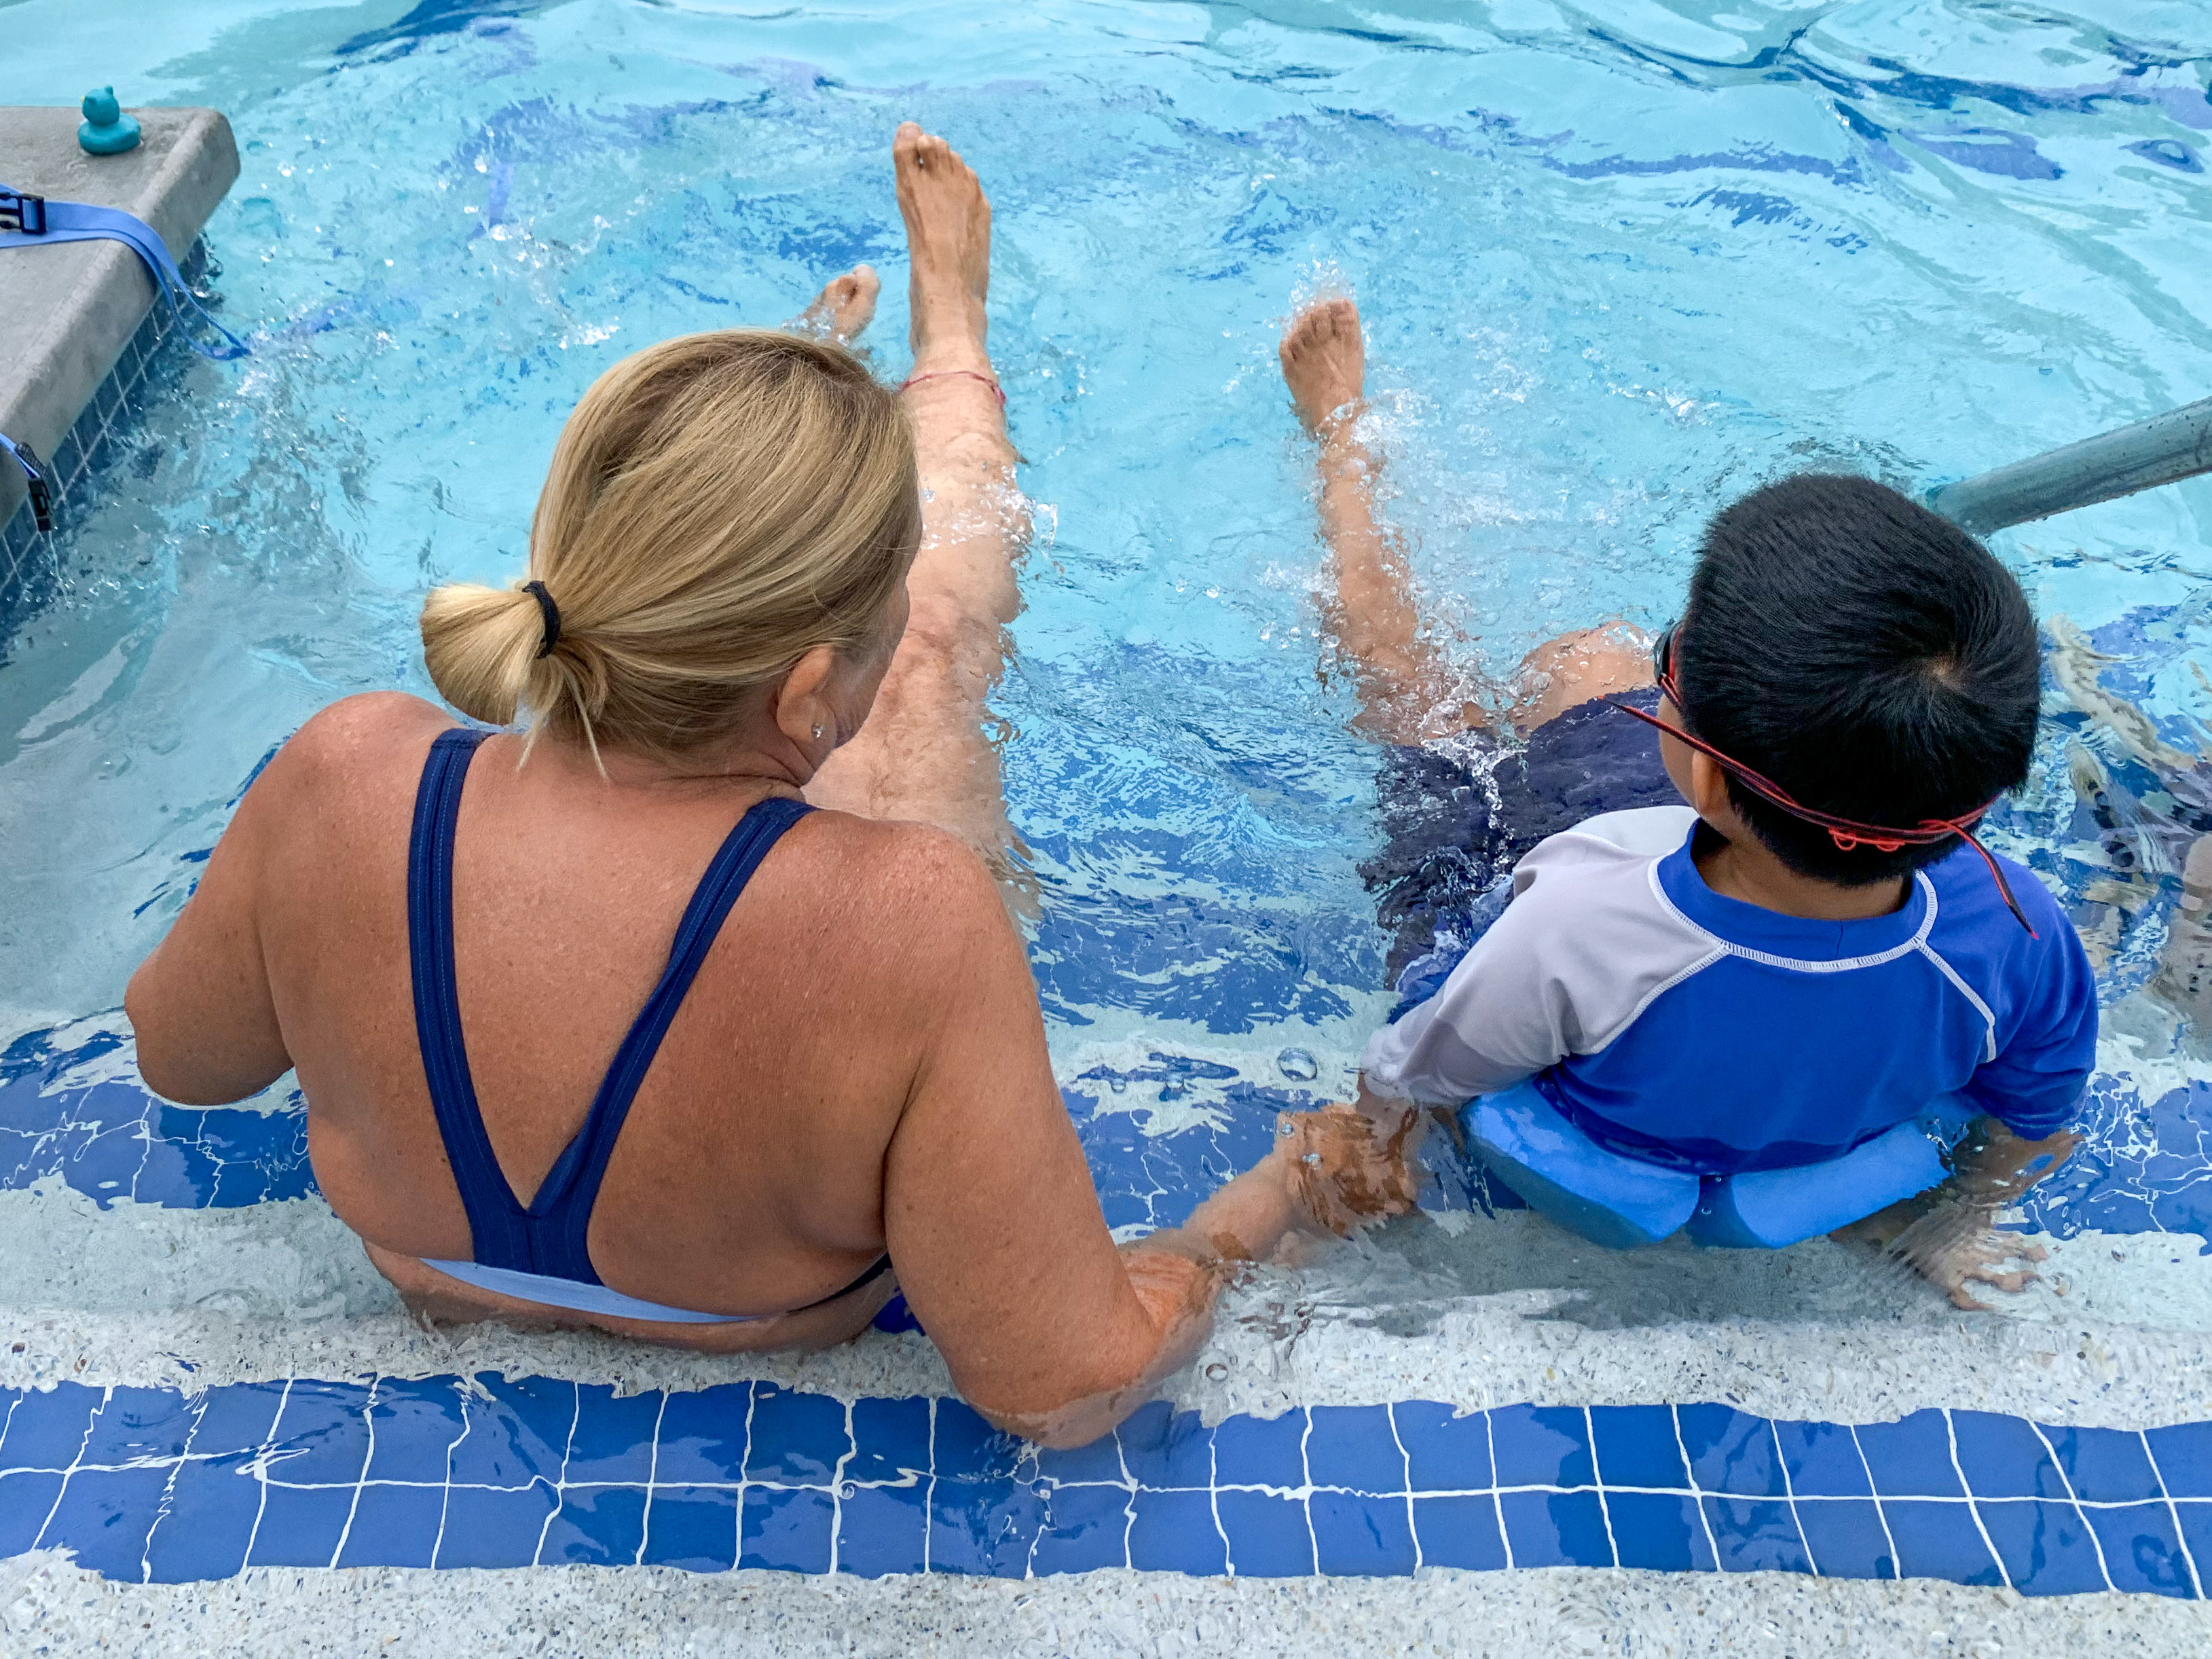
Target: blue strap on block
<point x="1622" y="1203"/>
<point x="35" y="479"/>
<point x="27" y="221"/>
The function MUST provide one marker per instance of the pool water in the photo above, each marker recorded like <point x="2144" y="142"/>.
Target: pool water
<point x="1618" y="261"/>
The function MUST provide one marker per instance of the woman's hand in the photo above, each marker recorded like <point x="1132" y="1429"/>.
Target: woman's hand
<point x="1349" y="1165"/>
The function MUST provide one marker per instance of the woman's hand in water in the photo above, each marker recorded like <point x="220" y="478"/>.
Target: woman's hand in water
<point x="1347" y="1166"/>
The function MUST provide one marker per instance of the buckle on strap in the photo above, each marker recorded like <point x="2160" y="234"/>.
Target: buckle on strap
<point x="26" y="213"/>
<point x="35" y="479"/>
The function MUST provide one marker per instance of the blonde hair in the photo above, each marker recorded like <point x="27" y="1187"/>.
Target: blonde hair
<point x="718" y="506"/>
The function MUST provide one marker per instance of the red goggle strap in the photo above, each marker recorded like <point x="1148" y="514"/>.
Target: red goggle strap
<point x="1848" y="834"/>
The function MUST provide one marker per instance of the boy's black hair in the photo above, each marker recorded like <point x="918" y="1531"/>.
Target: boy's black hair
<point x="1869" y="657"/>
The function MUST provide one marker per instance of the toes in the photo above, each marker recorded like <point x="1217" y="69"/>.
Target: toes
<point x="1962" y="1299"/>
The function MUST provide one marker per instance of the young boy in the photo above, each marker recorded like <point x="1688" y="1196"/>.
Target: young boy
<point x="1730" y="1013"/>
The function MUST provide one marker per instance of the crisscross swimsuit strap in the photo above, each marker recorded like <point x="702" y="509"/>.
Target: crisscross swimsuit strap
<point x="546" y="1241"/>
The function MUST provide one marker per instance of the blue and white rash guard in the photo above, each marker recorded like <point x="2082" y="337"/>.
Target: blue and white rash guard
<point x="1673" y="1023"/>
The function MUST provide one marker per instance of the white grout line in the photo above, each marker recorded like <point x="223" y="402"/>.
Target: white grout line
<point x="1413" y="1531"/>
<point x="367" y="1457"/>
<point x="1880" y="1514"/>
<point x="2188" y="1556"/>
<point x="1497" y="1493"/>
<point x="2104" y="1568"/>
<point x="837" y="1496"/>
<point x="168" y="1489"/>
<point x="1128" y="1487"/>
<point x="75" y="1462"/>
<point x="1604" y="1508"/>
<point x="260" y="1467"/>
<point x="1951" y="1435"/>
<point x="561" y="1486"/>
<point x="1306" y="1488"/>
<point x="652" y="1480"/>
<point x="1697" y="1492"/>
<point x="1214" y="1503"/>
<point x="1790" y="1492"/>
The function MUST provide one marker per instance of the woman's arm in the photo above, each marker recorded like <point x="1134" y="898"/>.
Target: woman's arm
<point x="200" y="1005"/>
<point x="1002" y="1250"/>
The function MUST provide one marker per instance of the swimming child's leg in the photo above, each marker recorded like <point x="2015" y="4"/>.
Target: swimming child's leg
<point x="1407" y="692"/>
<point x="923" y="754"/>
<point x="1946" y="1234"/>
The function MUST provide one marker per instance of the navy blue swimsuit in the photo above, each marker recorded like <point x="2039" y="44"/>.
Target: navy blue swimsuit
<point x="539" y="1251"/>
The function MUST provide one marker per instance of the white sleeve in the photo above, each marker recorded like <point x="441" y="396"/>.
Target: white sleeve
<point x="1585" y="945"/>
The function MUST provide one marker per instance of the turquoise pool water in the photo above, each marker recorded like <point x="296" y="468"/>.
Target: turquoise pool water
<point x="1618" y="261"/>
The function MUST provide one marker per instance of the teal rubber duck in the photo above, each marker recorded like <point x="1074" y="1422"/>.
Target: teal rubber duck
<point x="107" y="131"/>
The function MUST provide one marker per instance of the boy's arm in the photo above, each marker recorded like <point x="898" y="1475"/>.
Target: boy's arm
<point x="2034" y="1087"/>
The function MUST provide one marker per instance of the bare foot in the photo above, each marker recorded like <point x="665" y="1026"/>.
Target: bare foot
<point x="1325" y="363"/>
<point x="846" y="305"/>
<point x="948" y="232"/>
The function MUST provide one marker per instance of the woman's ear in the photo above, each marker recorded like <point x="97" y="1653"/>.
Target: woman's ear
<point x="801" y="704"/>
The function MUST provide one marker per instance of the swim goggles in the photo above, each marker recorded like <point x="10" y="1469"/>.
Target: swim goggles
<point x="1848" y="834"/>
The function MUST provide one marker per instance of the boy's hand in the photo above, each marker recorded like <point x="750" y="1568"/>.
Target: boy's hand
<point x="1345" y="1168"/>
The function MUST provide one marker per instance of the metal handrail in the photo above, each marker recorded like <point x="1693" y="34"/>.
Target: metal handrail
<point x="2164" y="449"/>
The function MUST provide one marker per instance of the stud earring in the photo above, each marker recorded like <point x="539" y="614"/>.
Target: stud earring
<point x="817" y="731"/>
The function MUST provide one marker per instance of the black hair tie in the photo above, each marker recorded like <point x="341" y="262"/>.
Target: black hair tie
<point x="552" y="614"/>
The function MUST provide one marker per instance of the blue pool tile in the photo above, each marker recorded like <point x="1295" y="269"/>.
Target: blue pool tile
<point x="612" y="1444"/>
<point x="2045" y="1546"/>
<point x="1085" y="1527"/>
<point x="137" y="1425"/>
<point x="1444" y="1450"/>
<point x="1755" y="1535"/>
<point x="1460" y="1532"/>
<point x="1175" y="1532"/>
<point x="1541" y="1446"/>
<point x="2142" y="1551"/>
<point x="1731" y="1451"/>
<point x="702" y="1433"/>
<point x="1846" y="1538"/>
<point x="1636" y="1447"/>
<point x="300" y="1526"/>
<point x="212" y="1509"/>
<point x="486" y="1527"/>
<point x="2185" y="1458"/>
<point x="2004" y="1457"/>
<point x="966" y="1448"/>
<point x="48" y="1427"/>
<point x="1556" y="1529"/>
<point x="1660" y="1530"/>
<point x="695" y="1528"/>
<point x="413" y="1426"/>
<point x="322" y="1438"/>
<point x="1352" y="1446"/>
<point x="2196" y="1519"/>
<point x="105" y="1516"/>
<point x="25" y="1499"/>
<point x="1822" y="1460"/>
<point x="1261" y="1451"/>
<point x="1355" y="1534"/>
<point x="983" y="1527"/>
<point x="1269" y="1536"/>
<point x="393" y="1526"/>
<point x="519" y="1435"/>
<point x="1938" y="1540"/>
<point x="238" y="1418"/>
<point x="599" y="1526"/>
<point x="2105" y="1466"/>
<point x="786" y="1529"/>
<point x="1164" y="1448"/>
<point x="1912" y="1458"/>
<point x="798" y="1439"/>
<point x="883" y="1530"/>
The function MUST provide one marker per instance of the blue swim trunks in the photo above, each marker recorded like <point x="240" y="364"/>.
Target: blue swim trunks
<point x="1459" y="814"/>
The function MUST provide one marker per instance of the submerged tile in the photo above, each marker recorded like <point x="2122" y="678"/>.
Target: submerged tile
<point x="393" y="1526"/>
<point x="2045" y="1546"/>
<point x="2105" y="1466"/>
<point x="105" y="1516"/>
<point x="1175" y="1532"/>
<point x="1163" y="1447"/>
<point x="787" y="1528"/>
<point x="1846" y="1538"/>
<point x="598" y="1526"/>
<point x="1085" y="1528"/>
<point x="798" y="1439"/>
<point x="214" y="1504"/>
<point x="1269" y="1537"/>
<point x="1636" y="1446"/>
<point x="890" y="1440"/>
<point x="2004" y="1457"/>
<point x="491" y="1527"/>
<point x="1556" y="1529"/>
<point x="1659" y="1530"/>
<point x="1460" y="1532"/>
<point x="2142" y="1551"/>
<point x="2183" y="1451"/>
<point x="612" y="1442"/>
<point x="1541" y="1446"/>
<point x="1910" y="1458"/>
<point x="1354" y="1447"/>
<point x="882" y="1529"/>
<point x="1939" y="1540"/>
<point x="1355" y="1534"/>
<point x="299" y="1526"/>
<point x="1822" y="1460"/>
<point x="1756" y="1536"/>
<point x="1731" y="1451"/>
<point x="1445" y="1450"/>
<point x="27" y="1498"/>
<point x="702" y="1434"/>
<point x="695" y="1528"/>
<point x="1261" y="1451"/>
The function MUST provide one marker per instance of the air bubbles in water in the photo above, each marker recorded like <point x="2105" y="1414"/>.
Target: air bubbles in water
<point x="1297" y="1064"/>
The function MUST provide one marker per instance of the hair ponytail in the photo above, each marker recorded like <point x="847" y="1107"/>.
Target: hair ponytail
<point x="718" y="506"/>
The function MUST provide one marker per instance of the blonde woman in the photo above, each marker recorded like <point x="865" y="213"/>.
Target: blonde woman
<point x="552" y="1073"/>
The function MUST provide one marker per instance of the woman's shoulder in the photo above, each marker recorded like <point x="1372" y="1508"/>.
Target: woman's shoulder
<point x="355" y="746"/>
<point x="893" y="881"/>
